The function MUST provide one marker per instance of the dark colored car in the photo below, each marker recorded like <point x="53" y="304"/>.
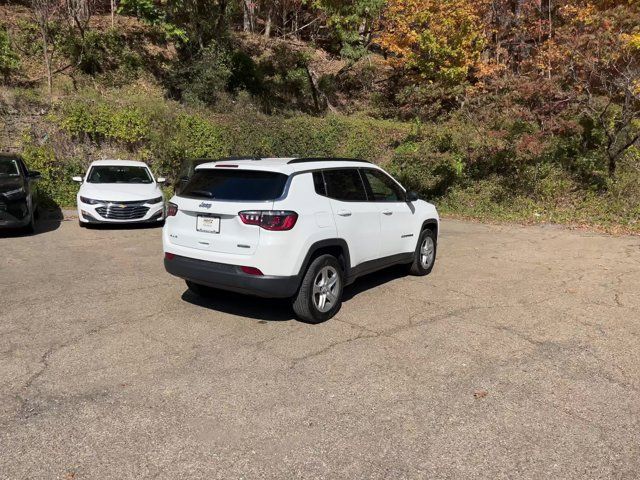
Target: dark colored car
<point x="187" y="170"/>
<point x="18" y="197"/>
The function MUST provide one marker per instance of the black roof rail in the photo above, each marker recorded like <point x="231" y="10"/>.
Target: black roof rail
<point x="326" y="159"/>
<point x="222" y="159"/>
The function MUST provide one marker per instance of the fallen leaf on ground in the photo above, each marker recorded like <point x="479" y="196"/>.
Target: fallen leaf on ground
<point x="480" y="393"/>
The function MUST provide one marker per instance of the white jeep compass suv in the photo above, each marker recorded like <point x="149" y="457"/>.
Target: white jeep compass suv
<point x="300" y="228"/>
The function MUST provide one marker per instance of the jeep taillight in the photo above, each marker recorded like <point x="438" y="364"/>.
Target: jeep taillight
<point x="270" y="219"/>
<point x="172" y="209"/>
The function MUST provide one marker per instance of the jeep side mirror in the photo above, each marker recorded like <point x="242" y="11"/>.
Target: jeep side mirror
<point x="34" y="175"/>
<point x="77" y="179"/>
<point x="161" y="180"/>
<point x="412" y="196"/>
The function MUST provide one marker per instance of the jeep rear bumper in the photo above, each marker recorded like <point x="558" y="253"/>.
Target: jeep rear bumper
<point x="231" y="278"/>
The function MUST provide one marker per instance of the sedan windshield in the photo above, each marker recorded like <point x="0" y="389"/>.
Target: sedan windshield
<point x="119" y="174"/>
<point x="9" y="167"/>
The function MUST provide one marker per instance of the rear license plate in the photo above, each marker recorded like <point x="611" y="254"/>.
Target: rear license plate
<point x="209" y="224"/>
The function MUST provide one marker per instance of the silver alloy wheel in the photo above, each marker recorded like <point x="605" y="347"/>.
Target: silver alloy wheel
<point x="326" y="286"/>
<point x="427" y="252"/>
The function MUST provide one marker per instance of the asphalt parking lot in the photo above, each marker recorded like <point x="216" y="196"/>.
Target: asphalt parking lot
<point x="518" y="357"/>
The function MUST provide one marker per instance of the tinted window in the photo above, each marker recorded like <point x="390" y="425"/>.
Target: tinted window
<point x="119" y="174"/>
<point x="345" y="185"/>
<point x="318" y="183"/>
<point x="227" y="184"/>
<point x="383" y="188"/>
<point x="9" y="167"/>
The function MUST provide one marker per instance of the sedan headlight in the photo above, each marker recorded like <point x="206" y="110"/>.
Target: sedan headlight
<point x="91" y="201"/>
<point x="153" y="201"/>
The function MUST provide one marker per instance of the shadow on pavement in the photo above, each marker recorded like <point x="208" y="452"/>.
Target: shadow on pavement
<point x="277" y="309"/>
<point x="373" y="280"/>
<point x="271" y="309"/>
<point x="123" y="226"/>
<point x="46" y="221"/>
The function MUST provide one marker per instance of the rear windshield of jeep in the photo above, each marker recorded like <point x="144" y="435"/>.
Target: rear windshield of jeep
<point x="238" y="185"/>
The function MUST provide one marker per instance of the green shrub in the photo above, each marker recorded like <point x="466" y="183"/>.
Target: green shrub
<point x="9" y="61"/>
<point x="507" y="173"/>
<point x="201" y="81"/>
<point x="103" y="53"/>
<point x="196" y="137"/>
<point x="55" y="187"/>
<point x="99" y="122"/>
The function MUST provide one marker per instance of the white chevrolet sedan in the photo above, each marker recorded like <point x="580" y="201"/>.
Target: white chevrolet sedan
<point x="119" y="191"/>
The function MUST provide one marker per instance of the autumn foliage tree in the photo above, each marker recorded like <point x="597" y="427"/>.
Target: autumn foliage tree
<point x="439" y="40"/>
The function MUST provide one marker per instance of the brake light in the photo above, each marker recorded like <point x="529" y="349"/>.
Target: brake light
<point x="226" y="166"/>
<point x="172" y="209"/>
<point x="277" y="220"/>
<point x="169" y="256"/>
<point x="251" y="271"/>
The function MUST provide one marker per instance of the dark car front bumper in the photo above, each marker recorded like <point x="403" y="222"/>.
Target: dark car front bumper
<point x="231" y="278"/>
<point x="14" y="213"/>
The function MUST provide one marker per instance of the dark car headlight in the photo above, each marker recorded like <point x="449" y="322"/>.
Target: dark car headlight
<point x="14" y="194"/>
<point x="91" y="201"/>
<point x="153" y="201"/>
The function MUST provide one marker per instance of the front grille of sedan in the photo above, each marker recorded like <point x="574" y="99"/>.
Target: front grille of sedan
<point x="123" y="210"/>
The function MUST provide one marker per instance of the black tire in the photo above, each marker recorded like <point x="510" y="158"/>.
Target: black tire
<point x="418" y="267"/>
<point x="306" y="300"/>
<point x="82" y="224"/>
<point x="199" y="290"/>
<point x="30" y="227"/>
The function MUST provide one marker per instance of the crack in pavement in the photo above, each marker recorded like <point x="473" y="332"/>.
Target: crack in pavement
<point x="46" y="356"/>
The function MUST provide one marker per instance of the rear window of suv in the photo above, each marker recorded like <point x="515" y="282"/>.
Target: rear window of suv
<point x="239" y="185"/>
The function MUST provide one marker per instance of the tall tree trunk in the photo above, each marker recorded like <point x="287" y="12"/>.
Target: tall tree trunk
<point x="612" y="164"/>
<point x="267" y="25"/>
<point x="113" y="13"/>
<point x="47" y="59"/>
<point x="246" y="23"/>
<point x="249" y="10"/>
<point x="317" y="94"/>
<point x="221" y="22"/>
<point x="294" y="25"/>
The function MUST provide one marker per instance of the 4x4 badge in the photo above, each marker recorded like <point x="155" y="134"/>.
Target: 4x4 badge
<point x="205" y="205"/>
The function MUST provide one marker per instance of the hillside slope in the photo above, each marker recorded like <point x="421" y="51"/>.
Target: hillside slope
<point x="511" y="148"/>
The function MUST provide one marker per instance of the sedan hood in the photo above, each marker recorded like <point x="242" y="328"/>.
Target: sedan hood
<point x="120" y="192"/>
<point x="10" y="183"/>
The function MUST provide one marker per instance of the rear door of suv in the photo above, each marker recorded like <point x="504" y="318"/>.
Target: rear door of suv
<point x="357" y="220"/>
<point x="208" y="208"/>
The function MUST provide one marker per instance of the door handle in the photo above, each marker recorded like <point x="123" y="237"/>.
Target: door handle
<point x="344" y="213"/>
<point x="387" y="212"/>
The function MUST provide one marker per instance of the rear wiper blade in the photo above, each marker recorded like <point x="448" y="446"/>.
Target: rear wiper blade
<point x="203" y="193"/>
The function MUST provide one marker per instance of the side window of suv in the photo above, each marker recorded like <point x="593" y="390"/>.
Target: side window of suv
<point x="345" y="185"/>
<point x="318" y="183"/>
<point x="383" y="188"/>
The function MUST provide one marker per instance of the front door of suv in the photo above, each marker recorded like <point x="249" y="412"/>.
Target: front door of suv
<point x="397" y="229"/>
<point x="357" y="220"/>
